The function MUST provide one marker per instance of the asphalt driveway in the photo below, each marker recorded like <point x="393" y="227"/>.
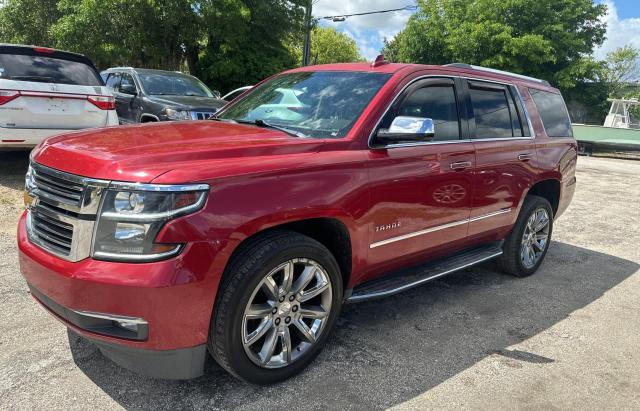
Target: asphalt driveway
<point x="567" y="337"/>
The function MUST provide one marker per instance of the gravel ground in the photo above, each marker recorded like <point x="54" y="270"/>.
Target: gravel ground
<point x="568" y="337"/>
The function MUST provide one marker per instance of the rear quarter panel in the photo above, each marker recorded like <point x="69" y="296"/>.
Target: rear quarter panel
<point x="557" y="156"/>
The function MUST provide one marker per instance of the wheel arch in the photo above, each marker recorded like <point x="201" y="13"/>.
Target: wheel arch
<point x="146" y="118"/>
<point x="331" y="232"/>
<point x="548" y="189"/>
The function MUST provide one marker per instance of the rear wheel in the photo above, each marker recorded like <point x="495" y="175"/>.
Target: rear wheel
<point x="278" y="302"/>
<point x="527" y="244"/>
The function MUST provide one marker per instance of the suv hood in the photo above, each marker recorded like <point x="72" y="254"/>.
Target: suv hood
<point x="140" y="153"/>
<point x="188" y="102"/>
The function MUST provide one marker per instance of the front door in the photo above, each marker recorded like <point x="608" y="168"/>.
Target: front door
<point x="125" y="96"/>
<point x="421" y="191"/>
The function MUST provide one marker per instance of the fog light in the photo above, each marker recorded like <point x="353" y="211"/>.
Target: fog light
<point x="130" y="326"/>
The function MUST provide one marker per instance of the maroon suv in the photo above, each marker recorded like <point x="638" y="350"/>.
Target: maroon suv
<point x="242" y="236"/>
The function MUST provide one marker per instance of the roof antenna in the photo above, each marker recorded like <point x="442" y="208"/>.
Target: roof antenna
<point x="379" y="61"/>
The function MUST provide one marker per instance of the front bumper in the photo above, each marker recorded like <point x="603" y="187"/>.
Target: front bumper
<point x="178" y="364"/>
<point x="174" y="298"/>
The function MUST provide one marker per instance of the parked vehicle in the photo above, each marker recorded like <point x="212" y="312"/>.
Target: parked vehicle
<point x="144" y="95"/>
<point x="284" y="105"/>
<point x="244" y="238"/>
<point x="232" y="95"/>
<point x="618" y="133"/>
<point x="44" y="92"/>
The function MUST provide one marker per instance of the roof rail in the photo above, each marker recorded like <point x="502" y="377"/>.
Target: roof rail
<point x="495" y="71"/>
<point x="120" y="68"/>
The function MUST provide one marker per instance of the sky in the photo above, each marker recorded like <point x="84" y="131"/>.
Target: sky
<point x="623" y="22"/>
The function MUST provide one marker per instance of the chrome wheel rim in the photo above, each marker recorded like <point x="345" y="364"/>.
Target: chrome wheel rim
<point x="535" y="238"/>
<point x="286" y="313"/>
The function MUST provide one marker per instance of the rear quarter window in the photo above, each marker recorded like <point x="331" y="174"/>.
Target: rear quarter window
<point x="45" y="69"/>
<point x="553" y="113"/>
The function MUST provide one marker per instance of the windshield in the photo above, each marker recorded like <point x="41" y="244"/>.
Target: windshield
<point x="25" y="67"/>
<point x="320" y="104"/>
<point x="174" y="84"/>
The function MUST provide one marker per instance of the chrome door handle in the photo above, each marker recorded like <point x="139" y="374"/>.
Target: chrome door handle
<point x="524" y="157"/>
<point x="460" y="165"/>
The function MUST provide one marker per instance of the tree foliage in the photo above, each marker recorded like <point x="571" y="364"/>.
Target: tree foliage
<point x="227" y="43"/>
<point x="28" y="21"/>
<point x="142" y="33"/>
<point x="246" y="40"/>
<point x="542" y="38"/>
<point x="328" y="45"/>
<point x="621" y="67"/>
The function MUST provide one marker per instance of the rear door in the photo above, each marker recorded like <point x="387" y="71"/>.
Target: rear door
<point x="50" y="90"/>
<point x="505" y="155"/>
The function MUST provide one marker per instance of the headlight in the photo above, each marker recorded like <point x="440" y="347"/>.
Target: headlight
<point x="132" y="215"/>
<point x="174" y="114"/>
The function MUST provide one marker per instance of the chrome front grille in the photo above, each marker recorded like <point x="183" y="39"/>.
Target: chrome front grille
<point x="59" y="188"/>
<point x="62" y="214"/>
<point x="201" y="115"/>
<point x="53" y="233"/>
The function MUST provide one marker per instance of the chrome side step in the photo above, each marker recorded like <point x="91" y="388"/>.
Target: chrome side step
<point x="409" y="278"/>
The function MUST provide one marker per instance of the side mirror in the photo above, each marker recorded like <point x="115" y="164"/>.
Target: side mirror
<point x="405" y="129"/>
<point x="216" y="94"/>
<point x="128" y="89"/>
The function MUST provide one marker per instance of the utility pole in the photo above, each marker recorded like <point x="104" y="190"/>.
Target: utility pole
<point x="306" y="49"/>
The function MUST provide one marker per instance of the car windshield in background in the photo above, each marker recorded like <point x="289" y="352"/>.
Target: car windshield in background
<point x="24" y="67"/>
<point x="320" y="104"/>
<point x="174" y="85"/>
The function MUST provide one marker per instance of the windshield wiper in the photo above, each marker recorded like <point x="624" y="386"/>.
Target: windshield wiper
<point x="224" y="120"/>
<point x="262" y="123"/>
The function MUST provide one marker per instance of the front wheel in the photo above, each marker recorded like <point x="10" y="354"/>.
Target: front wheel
<point x="527" y="244"/>
<point x="278" y="302"/>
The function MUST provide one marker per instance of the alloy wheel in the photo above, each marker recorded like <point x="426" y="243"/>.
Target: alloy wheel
<point x="535" y="238"/>
<point x="286" y="313"/>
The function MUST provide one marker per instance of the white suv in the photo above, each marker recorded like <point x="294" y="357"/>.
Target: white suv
<point x="44" y="92"/>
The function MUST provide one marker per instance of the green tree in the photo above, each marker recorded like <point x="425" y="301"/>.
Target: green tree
<point x="225" y="42"/>
<point x="543" y="38"/>
<point x="246" y="40"/>
<point x="328" y="45"/>
<point x="144" y="33"/>
<point x="28" y="21"/>
<point x="621" y="67"/>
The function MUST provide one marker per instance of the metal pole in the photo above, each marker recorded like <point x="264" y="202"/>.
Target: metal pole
<point x="306" y="50"/>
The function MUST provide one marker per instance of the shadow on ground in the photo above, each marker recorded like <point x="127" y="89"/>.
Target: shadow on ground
<point x="388" y="351"/>
<point x="13" y="167"/>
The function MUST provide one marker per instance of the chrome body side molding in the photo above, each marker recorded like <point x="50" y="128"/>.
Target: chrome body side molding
<point x="438" y="228"/>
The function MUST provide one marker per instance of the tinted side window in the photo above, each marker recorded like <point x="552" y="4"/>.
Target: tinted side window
<point x="113" y="81"/>
<point x="553" y="113"/>
<point x="127" y="80"/>
<point x="492" y="112"/>
<point x="437" y="102"/>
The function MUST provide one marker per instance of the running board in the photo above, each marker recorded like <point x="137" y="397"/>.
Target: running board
<point x="409" y="278"/>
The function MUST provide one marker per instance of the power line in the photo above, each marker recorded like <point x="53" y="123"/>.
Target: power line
<point x="343" y="17"/>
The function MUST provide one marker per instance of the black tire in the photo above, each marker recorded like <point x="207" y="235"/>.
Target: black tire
<point x="248" y="267"/>
<point x="585" y="149"/>
<point x="510" y="261"/>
